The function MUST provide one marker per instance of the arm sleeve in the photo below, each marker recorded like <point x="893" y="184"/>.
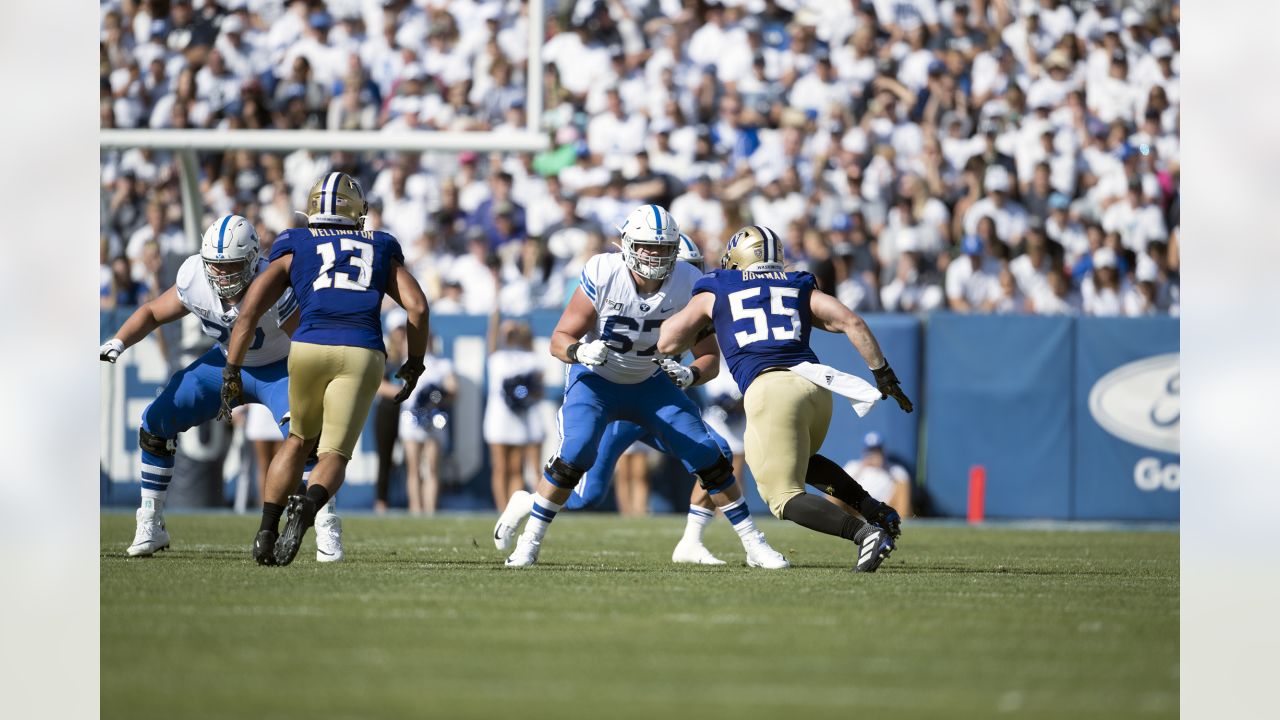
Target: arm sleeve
<point x="287" y="305"/>
<point x="706" y="283"/>
<point x="590" y="280"/>
<point x="282" y="246"/>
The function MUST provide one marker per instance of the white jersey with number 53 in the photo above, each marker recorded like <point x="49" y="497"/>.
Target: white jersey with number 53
<point x="270" y="343"/>
<point x="627" y="321"/>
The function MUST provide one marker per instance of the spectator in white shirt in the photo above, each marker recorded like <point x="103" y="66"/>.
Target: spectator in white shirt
<point x="1102" y="288"/>
<point x="1032" y="268"/>
<point x="697" y="211"/>
<point x="1009" y="217"/>
<point x="1056" y="297"/>
<point x="884" y="481"/>
<point x="971" y="276"/>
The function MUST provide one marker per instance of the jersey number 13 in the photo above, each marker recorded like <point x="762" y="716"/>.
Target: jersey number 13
<point x="362" y="262"/>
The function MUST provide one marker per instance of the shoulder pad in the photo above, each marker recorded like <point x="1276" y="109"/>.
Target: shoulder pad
<point x="192" y="270"/>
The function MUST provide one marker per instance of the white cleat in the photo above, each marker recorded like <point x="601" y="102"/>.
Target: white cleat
<point x="761" y="555"/>
<point x="328" y="536"/>
<point x="694" y="553"/>
<point x="150" y="536"/>
<point x="526" y="552"/>
<point x="518" y="508"/>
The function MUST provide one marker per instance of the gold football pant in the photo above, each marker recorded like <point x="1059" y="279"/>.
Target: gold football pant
<point x="787" y="420"/>
<point x="331" y="388"/>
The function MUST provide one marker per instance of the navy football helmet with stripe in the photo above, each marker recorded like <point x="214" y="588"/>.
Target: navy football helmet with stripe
<point x="229" y="250"/>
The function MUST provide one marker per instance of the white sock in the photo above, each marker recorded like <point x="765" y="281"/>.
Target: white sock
<point x="544" y="511"/>
<point x="153" y="500"/>
<point x="740" y="517"/>
<point x="698" y="520"/>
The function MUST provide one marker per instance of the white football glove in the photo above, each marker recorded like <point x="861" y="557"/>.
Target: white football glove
<point x="593" y="353"/>
<point x="110" y="350"/>
<point x="682" y="376"/>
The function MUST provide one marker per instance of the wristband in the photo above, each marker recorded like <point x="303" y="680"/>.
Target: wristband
<point x="572" y="351"/>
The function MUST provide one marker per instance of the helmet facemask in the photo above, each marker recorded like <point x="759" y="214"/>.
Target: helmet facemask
<point x="652" y="259"/>
<point x="230" y="277"/>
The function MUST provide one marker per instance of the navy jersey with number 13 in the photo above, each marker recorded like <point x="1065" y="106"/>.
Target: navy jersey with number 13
<point x="762" y="319"/>
<point x="339" y="277"/>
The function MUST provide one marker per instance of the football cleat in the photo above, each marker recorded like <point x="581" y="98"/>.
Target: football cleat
<point x="264" y="547"/>
<point x="518" y="508"/>
<point x="328" y="535"/>
<point x="874" y="546"/>
<point x="150" y="536"/>
<point x="526" y="552"/>
<point x="761" y="555"/>
<point x="301" y="513"/>
<point x="693" y="552"/>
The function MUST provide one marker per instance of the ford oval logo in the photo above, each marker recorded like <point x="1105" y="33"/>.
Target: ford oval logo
<point x="1138" y="402"/>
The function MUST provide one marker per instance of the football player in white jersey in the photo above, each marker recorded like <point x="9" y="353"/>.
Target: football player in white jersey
<point x="595" y="483"/>
<point x="210" y="285"/>
<point x="608" y="336"/>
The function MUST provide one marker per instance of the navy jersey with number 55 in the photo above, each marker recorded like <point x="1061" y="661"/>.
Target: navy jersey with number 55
<point x="762" y="319"/>
<point x="339" y="277"/>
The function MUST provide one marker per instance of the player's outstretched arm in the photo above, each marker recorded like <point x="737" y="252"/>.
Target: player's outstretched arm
<point x="831" y="315"/>
<point x="151" y="315"/>
<point x="578" y="317"/>
<point x="403" y="287"/>
<point x="680" y="331"/>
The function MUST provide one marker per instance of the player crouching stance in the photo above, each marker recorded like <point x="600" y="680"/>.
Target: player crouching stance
<point x="211" y="285"/>
<point x="762" y="316"/>
<point x="608" y="336"/>
<point x="339" y="273"/>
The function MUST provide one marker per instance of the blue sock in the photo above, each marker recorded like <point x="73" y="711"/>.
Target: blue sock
<point x="157" y="471"/>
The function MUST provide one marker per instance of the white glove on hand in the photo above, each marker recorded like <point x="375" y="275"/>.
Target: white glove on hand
<point x="681" y="375"/>
<point x="593" y="353"/>
<point x="110" y="350"/>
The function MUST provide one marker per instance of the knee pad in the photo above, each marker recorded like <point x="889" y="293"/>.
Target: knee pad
<point x="562" y="474"/>
<point x="717" y="477"/>
<point x="156" y="445"/>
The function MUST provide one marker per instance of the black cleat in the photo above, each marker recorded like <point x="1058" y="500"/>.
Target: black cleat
<point x="264" y="547"/>
<point x="300" y="515"/>
<point x="874" y="546"/>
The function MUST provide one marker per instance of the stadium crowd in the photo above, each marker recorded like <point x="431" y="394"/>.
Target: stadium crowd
<point x="1000" y="156"/>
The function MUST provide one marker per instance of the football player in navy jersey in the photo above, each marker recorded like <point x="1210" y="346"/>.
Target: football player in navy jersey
<point x="339" y="273"/>
<point x="762" y="316"/>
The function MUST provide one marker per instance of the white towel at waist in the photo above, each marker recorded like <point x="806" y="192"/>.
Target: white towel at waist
<point x="862" y="394"/>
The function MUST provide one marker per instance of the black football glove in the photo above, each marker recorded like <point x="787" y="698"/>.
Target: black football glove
<point x="409" y="372"/>
<point x="887" y="384"/>
<point x="232" y="390"/>
<point x="881" y="515"/>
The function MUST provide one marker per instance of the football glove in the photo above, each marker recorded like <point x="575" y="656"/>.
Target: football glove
<point x="110" y="350"/>
<point x="682" y="376"/>
<point x="589" y="354"/>
<point x="409" y="372"/>
<point x="232" y="391"/>
<point x="881" y="515"/>
<point x="887" y="384"/>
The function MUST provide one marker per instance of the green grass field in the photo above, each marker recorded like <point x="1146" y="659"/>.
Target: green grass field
<point x="424" y="621"/>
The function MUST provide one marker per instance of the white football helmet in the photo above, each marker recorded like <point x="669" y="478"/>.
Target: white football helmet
<point x="690" y="253"/>
<point x="651" y="228"/>
<point x="229" y="250"/>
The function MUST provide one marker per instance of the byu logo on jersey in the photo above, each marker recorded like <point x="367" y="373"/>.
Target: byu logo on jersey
<point x="644" y="307"/>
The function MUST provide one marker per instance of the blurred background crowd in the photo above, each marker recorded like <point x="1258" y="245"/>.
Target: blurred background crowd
<point x="994" y="156"/>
